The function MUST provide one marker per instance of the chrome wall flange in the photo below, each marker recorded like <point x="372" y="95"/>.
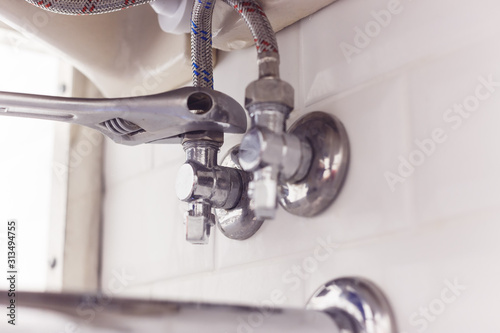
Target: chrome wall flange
<point x="356" y="305"/>
<point x="238" y="223"/>
<point x="331" y="153"/>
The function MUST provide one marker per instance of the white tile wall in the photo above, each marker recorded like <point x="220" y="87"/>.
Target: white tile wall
<point x="144" y="233"/>
<point x="240" y="284"/>
<point x="439" y="225"/>
<point x="124" y="162"/>
<point x="462" y="174"/>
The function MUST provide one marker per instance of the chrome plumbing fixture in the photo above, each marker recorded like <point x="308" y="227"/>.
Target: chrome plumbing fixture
<point x="266" y="150"/>
<point x="303" y="169"/>
<point x="240" y="222"/>
<point x="309" y="163"/>
<point x="356" y="305"/>
<point x="327" y="170"/>
<point x="200" y="181"/>
<point x="205" y="185"/>
<point x="199" y="218"/>
<point x="195" y="117"/>
<point x="347" y="305"/>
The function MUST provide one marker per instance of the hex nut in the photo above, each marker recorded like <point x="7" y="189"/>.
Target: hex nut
<point x="210" y="136"/>
<point x="270" y="90"/>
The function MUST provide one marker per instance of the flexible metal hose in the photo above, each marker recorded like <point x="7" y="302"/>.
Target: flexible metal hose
<point x="85" y="7"/>
<point x="201" y="43"/>
<point x="201" y="39"/>
<point x="263" y="34"/>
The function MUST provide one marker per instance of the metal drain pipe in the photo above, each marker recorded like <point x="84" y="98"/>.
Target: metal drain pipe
<point x="133" y="316"/>
<point x="348" y="305"/>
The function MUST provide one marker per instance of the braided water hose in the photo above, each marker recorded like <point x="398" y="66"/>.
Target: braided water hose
<point x="201" y="39"/>
<point x="256" y="19"/>
<point x="86" y="7"/>
<point x="201" y="43"/>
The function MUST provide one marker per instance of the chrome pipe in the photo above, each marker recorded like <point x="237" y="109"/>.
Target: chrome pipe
<point x="49" y="313"/>
<point x="347" y="305"/>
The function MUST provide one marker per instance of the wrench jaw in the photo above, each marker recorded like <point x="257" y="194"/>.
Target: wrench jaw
<point x="193" y="109"/>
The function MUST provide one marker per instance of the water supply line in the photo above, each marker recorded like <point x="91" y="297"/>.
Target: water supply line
<point x="258" y="23"/>
<point x="86" y="7"/>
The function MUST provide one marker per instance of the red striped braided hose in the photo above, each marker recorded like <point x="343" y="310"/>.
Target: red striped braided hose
<point x="85" y="7"/>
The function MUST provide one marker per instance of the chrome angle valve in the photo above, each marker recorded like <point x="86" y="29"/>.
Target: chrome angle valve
<point x="267" y="150"/>
<point x="205" y="185"/>
<point x="303" y="168"/>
